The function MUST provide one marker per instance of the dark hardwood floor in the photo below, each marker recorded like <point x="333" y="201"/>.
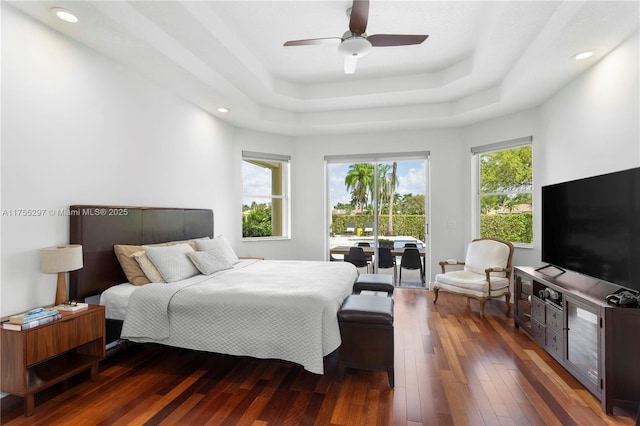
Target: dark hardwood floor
<point x="450" y="368"/>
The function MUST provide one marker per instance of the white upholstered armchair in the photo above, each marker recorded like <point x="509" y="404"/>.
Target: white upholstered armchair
<point x="486" y="273"/>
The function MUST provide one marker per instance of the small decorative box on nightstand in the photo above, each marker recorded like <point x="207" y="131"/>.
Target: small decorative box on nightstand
<point x="37" y="358"/>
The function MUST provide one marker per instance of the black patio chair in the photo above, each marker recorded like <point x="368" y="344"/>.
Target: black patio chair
<point x="411" y="260"/>
<point x="362" y="244"/>
<point x="357" y="257"/>
<point x="387" y="260"/>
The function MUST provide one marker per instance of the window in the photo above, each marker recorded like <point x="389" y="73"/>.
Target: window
<point x="265" y="195"/>
<point x="505" y="184"/>
<point x="378" y="199"/>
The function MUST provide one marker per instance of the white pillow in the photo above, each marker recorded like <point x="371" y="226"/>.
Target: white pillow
<point x="210" y="261"/>
<point x="219" y="242"/>
<point x="172" y="261"/>
<point x="150" y="271"/>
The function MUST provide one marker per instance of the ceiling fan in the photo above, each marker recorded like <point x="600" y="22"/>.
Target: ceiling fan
<point x="355" y="43"/>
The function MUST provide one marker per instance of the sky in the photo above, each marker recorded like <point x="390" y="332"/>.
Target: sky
<point x="255" y="181"/>
<point x="411" y="179"/>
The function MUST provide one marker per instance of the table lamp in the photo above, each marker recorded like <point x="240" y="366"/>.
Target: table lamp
<point x="61" y="259"/>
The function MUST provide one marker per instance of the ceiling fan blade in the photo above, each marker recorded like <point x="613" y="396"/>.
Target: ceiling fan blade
<point x="359" y="16"/>
<point x="381" y="40"/>
<point x="350" y="63"/>
<point x="314" y="41"/>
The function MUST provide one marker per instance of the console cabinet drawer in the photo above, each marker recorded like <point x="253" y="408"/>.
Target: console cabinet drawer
<point x="554" y="318"/>
<point x="538" y="309"/>
<point x="538" y="330"/>
<point x="553" y="343"/>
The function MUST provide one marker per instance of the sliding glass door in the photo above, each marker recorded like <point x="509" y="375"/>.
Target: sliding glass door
<point x="378" y="201"/>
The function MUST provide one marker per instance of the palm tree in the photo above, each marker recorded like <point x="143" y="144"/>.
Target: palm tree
<point x="383" y="185"/>
<point x="392" y="190"/>
<point x="359" y="180"/>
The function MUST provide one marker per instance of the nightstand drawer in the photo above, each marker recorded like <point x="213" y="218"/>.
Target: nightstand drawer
<point x="60" y="336"/>
<point x="44" y="343"/>
<point x="85" y="329"/>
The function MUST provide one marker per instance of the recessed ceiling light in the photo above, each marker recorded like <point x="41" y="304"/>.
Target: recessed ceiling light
<point x="583" y="55"/>
<point x="223" y="109"/>
<point x="65" y="15"/>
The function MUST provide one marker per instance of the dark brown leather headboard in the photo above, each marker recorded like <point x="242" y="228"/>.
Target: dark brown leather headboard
<point x="99" y="228"/>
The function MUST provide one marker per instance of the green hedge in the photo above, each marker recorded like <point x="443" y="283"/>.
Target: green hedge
<point x="412" y="225"/>
<point x="516" y="228"/>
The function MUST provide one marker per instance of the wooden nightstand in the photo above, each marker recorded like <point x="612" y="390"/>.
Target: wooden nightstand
<point x="34" y="359"/>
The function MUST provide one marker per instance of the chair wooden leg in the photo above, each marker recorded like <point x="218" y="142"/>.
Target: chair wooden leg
<point x="508" y="299"/>
<point x="468" y="303"/>
<point x="482" y="302"/>
<point x="435" y="292"/>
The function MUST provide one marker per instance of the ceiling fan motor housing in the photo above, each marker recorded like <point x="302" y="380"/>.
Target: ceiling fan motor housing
<point x="354" y="45"/>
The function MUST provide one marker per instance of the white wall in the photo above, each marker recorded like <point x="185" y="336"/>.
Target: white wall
<point x="592" y="125"/>
<point x="77" y="128"/>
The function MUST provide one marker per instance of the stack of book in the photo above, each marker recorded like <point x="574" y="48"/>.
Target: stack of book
<point x="31" y="319"/>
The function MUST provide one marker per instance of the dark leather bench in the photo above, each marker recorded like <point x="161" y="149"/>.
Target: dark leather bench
<point x="366" y="328"/>
<point x="374" y="282"/>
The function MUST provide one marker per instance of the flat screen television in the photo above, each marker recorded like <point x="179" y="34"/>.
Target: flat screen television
<point x="592" y="226"/>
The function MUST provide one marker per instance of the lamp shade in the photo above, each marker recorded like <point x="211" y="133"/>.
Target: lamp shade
<point x="61" y="258"/>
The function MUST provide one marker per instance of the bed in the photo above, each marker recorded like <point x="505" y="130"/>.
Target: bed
<point x="260" y="308"/>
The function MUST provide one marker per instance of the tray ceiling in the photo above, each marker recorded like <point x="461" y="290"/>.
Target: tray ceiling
<point x="481" y="60"/>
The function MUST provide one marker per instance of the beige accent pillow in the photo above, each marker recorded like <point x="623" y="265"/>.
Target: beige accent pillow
<point x="150" y="271"/>
<point x="135" y="275"/>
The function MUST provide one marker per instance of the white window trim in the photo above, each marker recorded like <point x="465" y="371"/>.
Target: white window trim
<point x="286" y="193"/>
<point x="475" y="184"/>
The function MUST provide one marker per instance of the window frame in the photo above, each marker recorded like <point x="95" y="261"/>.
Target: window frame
<point x="283" y="176"/>
<point x="477" y="153"/>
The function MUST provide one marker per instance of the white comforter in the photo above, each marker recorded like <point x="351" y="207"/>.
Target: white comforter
<point x="265" y="309"/>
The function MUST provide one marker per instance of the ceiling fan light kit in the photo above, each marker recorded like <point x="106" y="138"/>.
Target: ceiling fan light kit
<point x="353" y="47"/>
<point x="355" y="43"/>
